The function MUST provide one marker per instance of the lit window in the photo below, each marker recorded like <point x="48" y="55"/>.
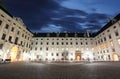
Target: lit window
<point x="119" y="41"/>
<point x="106" y="45"/>
<point x="111" y="43"/>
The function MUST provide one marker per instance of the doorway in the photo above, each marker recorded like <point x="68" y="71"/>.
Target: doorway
<point x="115" y="57"/>
<point x="77" y="55"/>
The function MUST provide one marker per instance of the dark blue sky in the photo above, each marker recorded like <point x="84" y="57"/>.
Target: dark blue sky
<point x="63" y="15"/>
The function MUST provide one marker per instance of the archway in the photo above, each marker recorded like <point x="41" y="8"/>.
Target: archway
<point x="13" y="53"/>
<point x="77" y="55"/>
<point x="115" y="57"/>
<point x="78" y="58"/>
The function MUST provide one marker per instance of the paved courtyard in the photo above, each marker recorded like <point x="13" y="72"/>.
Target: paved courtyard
<point x="26" y="70"/>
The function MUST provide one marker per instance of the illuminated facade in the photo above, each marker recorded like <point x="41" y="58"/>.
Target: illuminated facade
<point x="62" y="46"/>
<point x="15" y="39"/>
<point x="18" y="43"/>
<point x="102" y="46"/>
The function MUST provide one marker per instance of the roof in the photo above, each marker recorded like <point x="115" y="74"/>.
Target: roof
<point x="61" y="35"/>
<point x="6" y="11"/>
<point x="110" y="23"/>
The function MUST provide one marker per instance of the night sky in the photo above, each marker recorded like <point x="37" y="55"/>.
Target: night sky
<point x="63" y="15"/>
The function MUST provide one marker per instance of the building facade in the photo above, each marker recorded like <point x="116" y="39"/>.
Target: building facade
<point x="102" y="46"/>
<point x="15" y="39"/>
<point x="107" y="40"/>
<point x="18" y="43"/>
<point x="62" y="46"/>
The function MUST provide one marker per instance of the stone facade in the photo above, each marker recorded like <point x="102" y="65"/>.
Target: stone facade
<point x="15" y="39"/>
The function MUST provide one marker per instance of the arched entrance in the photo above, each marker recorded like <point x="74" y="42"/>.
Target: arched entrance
<point x="115" y="57"/>
<point x="77" y="55"/>
<point x="14" y="53"/>
<point x="78" y="58"/>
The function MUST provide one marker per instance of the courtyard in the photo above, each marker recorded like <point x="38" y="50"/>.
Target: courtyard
<point x="32" y="70"/>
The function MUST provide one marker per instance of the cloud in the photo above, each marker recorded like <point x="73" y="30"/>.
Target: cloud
<point x="51" y="28"/>
<point x="51" y="16"/>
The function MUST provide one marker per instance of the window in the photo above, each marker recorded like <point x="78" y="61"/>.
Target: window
<point x="36" y="48"/>
<point x="12" y="29"/>
<point x="52" y="54"/>
<point x="114" y="27"/>
<point x="0" y="22"/>
<point x="86" y="43"/>
<point x="57" y="43"/>
<point x="25" y="36"/>
<point x="9" y="20"/>
<point x="40" y="48"/>
<point x="98" y="42"/>
<point x="76" y="43"/>
<point x="104" y="38"/>
<point x="66" y="43"/>
<point x="21" y="42"/>
<point x="16" y="40"/>
<point x="22" y="35"/>
<point x="71" y="43"/>
<point x="62" y="54"/>
<point x="113" y="49"/>
<point x="47" y="48"/>
<point x="41" y="43"/>
<point x="18" y="32"/>
<point x="119" y="41"/>
<point x="7" y="26"/>
<point x="57" y="54"/>
<point x="47" y="43"/>
<point x="10" y="38"/>
<point x="62" y="43"/>
<point x="52" y="43"/>
<point x="101" y="40"/>
<point x="110" y="37"/>
<point x="3" y="36"/>
<point x="14" y="23"/>
<point x="111" y="43"/>
<point x="32" y="43"/>
<point x="36" y="43"/>
<point x="81" y="43"/>
<point x="2" y="15"/>
<point x="116" y="33"/>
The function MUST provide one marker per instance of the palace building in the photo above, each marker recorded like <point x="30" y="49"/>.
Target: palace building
<point x="15" y="38"/>
<point x="102" y="46"/>
<point x="18" y="43"/>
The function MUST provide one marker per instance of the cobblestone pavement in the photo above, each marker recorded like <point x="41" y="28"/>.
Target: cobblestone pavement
<point x="25" y="70"/>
